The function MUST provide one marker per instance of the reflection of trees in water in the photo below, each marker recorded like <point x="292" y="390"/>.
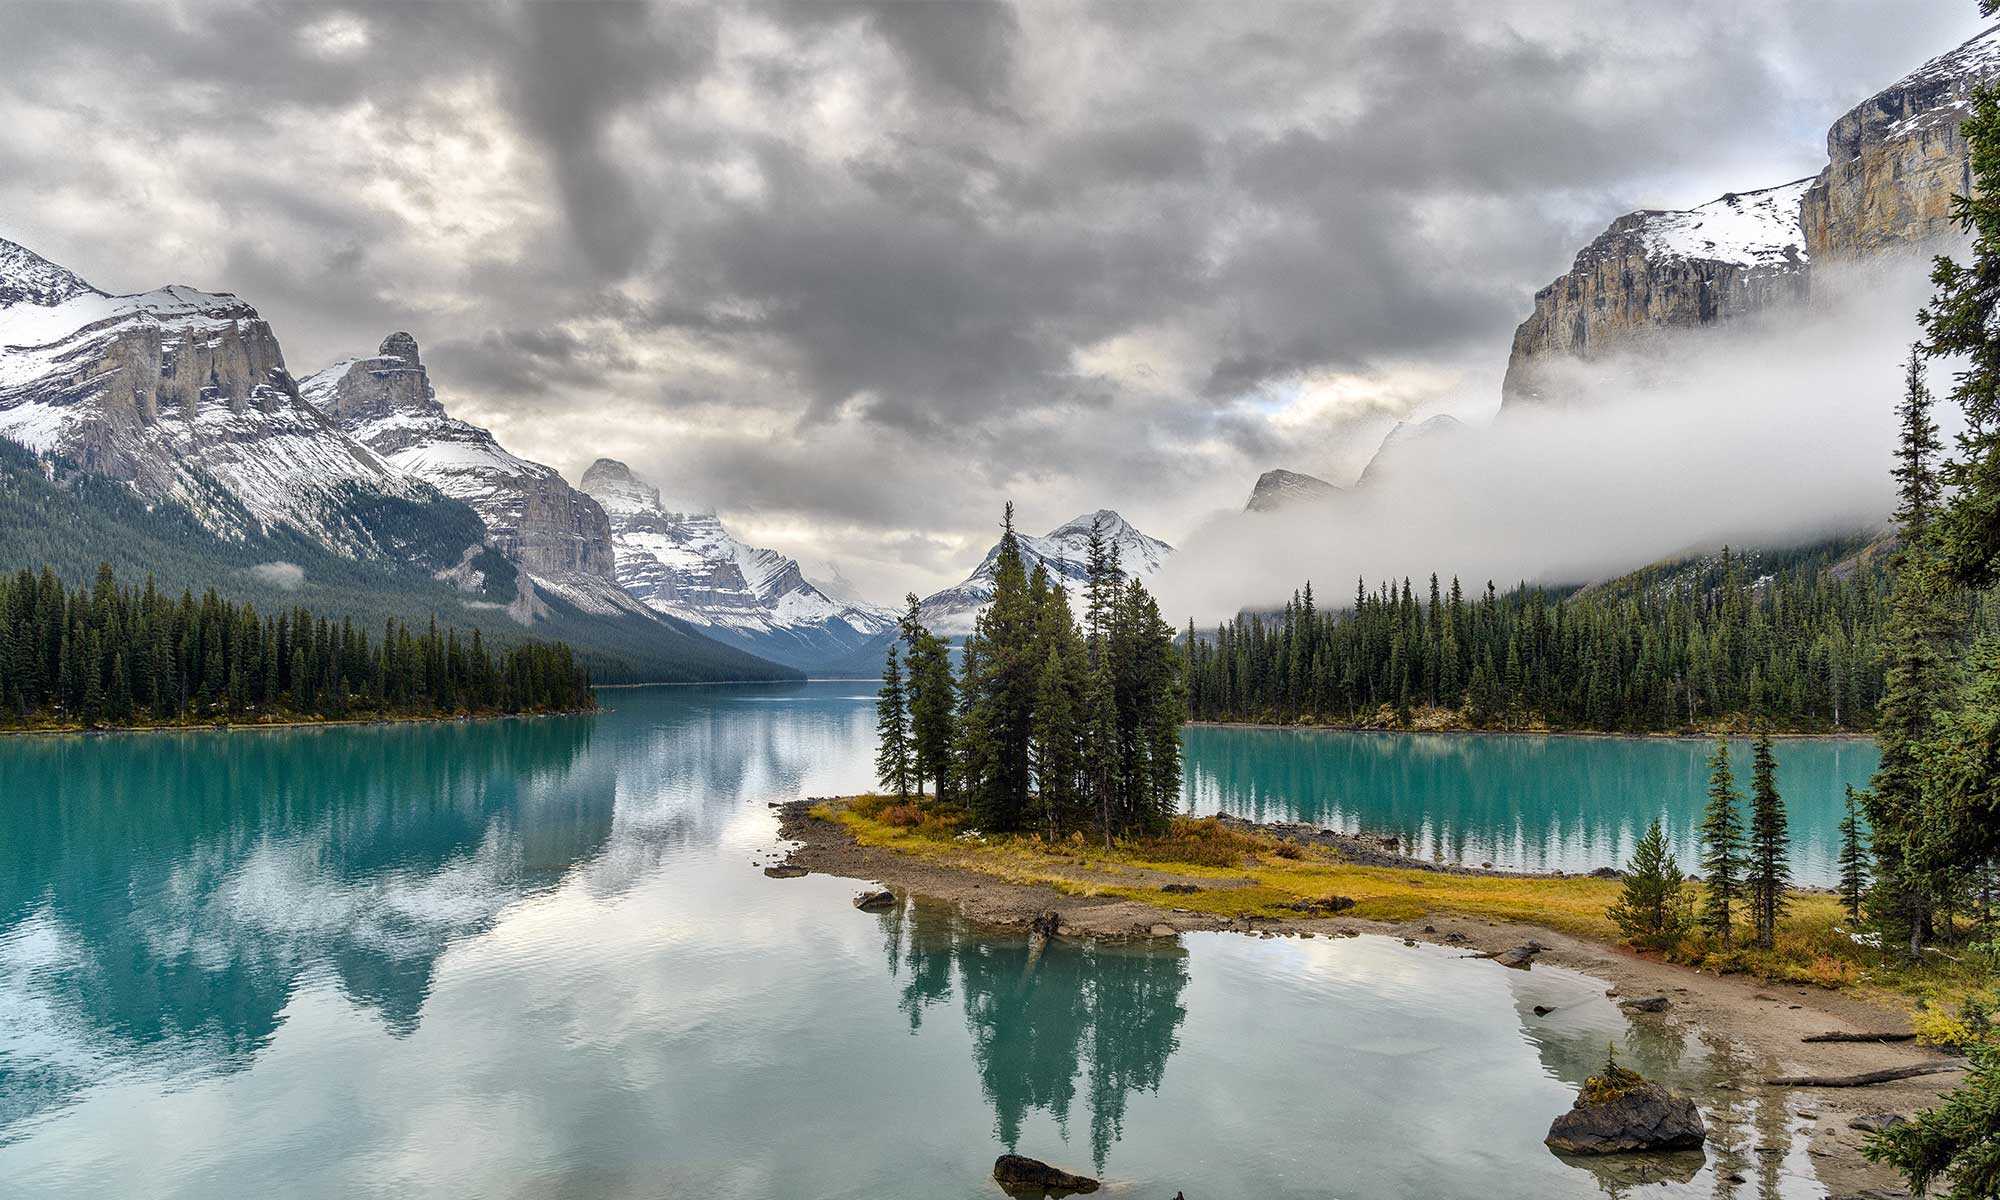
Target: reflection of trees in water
<point x="1530" y="801"/>
<point x="175" y="888"/>
<point x="1040" y="1017"/>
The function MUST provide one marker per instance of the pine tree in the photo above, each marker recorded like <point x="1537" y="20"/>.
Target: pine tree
<point x="1654" y="911"/>
<point x="892" y="727"/>
<point x="931" y="699"/>
<point x="1770" y="845"/>
<point x="1853" y="859"/>
<point x="1721" y="847"/>
<point x="1919" y="639"/>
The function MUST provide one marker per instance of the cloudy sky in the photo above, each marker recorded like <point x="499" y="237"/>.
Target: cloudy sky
<point x="851" y="274"/>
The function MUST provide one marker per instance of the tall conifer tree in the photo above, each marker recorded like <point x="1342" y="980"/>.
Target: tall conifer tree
<point x="1721" y="847"/>
<point x="1770" y="848"/>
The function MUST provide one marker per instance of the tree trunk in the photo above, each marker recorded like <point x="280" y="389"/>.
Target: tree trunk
<point x="1866" y="1077"/>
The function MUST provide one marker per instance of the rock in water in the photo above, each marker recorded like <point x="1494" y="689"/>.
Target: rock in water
<point x="1032" y="1177"/>
<point x="873" y="901"/>
<point x="785" y="871"/>
<point x="1645" y="1004"/>
<point x="1646" y="1117"/>
<point x="1521" y="956"/>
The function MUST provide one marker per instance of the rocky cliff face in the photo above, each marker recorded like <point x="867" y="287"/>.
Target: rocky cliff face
<point x="686" y="565"/>
<point x="1894" y="163"/>
<point x="184" y="394"/>
<point x="1657" y="270"/>
<point x="387" y="403"/>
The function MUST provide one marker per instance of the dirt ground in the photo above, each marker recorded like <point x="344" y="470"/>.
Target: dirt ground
<point x="1763" y="1022"/>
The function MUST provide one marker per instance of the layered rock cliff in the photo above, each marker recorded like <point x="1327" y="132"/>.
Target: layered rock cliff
<point x="1895" y="161"/>
<point x="387" y="403"/>
<point x="1658" y="270"/>
<point x="184" y="394"/>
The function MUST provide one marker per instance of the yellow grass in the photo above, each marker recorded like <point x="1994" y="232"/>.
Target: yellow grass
<point x="1249" y="874"/>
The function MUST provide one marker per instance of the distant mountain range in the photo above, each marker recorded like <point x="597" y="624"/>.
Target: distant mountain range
<point x="163" y="432"/>
<point x="688" y="566"/>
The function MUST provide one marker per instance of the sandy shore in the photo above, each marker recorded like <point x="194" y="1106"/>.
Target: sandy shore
<point x="1762" y="1023"/>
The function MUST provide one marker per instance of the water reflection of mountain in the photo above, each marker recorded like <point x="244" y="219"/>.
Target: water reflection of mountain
<point x="1041" y="1016"/>
<point x="1532" y="802"/>
<point x="161" y="896"/>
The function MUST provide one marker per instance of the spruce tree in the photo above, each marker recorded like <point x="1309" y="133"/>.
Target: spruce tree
<point x="1853" y="859"/>
<point x="1919" y="642"/>
<point x="892" y="729"/>
<point x="932" y="701"/>
<point x="1653" y="913"/>
<point x="1721" y="847"/>
<point x="1770" y="846"/>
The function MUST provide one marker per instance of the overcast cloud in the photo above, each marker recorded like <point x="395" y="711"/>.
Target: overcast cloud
<point x="852" y="274"/>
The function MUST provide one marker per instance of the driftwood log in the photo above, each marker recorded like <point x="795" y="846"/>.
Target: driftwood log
<point x="1835" y="1035"/>
<point x="1866" y="1077"/>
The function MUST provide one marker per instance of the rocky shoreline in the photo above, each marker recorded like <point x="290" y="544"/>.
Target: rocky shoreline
<point x="1764" y="1024"/>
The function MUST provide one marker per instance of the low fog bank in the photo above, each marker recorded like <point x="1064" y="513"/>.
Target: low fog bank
<point x="1762" y="434"/>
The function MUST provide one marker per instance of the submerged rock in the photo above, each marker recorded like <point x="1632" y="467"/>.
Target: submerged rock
<point x="875" y="901"/>
<point x="1022" y="1176"/>
<point x="785" y="871"/>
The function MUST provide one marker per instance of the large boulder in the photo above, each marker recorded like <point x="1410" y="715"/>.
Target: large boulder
<point x="1023" y="1176"/>
<point x="1643" y="1117"/>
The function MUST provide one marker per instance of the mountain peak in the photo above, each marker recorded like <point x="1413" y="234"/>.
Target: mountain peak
<point x="1279" y="488"/>
<point x="401" y="345"/>
<point x="28" y="278"/>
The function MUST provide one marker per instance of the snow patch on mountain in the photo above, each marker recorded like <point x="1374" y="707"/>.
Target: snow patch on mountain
<point x="1746" y="229"/>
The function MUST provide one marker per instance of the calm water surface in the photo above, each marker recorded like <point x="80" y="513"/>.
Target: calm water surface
<point x="1517" y="801"/>
<point x="538" y="959"/>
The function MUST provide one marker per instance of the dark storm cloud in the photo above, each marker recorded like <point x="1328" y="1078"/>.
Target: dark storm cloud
<point x="1096" y="252"/>
<point x="578" y="65"/>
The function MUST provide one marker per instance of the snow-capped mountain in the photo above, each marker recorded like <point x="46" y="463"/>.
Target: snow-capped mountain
<point x="184" y="394"/>
<point x="686" y="565"/>
<point x="1064" y="551"/>
<point x="1278" y="488"/>
<point x="556" y="533"/>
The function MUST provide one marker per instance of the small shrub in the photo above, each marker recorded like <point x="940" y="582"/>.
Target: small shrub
<point x="1611" y="1082"/>
<point x="1291" y="850"/>
<point x="900" y="816"/>
<point x="1830" y="972"/>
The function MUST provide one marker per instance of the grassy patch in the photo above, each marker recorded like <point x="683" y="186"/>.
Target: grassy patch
<point x="1243" y="874"/>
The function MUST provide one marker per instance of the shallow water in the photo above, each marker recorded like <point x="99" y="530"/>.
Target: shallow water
<point x="1523" y="802"/>
<point x="537" y="958"/>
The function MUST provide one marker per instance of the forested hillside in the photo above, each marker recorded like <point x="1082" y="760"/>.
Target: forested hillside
<point x="1791" y="639"/>
<point x="112" y="655"/>
<point x="53" y="515"/>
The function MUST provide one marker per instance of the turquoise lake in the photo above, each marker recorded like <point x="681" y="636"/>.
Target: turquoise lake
<point x="538" y="958"/>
